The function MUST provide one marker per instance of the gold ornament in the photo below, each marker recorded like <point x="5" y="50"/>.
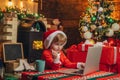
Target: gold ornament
<point x="96" y="33"/>
<point x="92" y="41"/>
<point x="93" y="27"/>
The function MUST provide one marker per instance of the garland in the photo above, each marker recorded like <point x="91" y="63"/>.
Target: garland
<point x="21" y="14"/>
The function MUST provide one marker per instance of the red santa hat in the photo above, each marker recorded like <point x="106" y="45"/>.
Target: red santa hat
<point x="49" y="36"/>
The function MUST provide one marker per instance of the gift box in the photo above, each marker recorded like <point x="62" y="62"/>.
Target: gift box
<point x="110" y="58"/>
<point x="110" y="55"/>
<point x="84" y="47"/>
<point x="109" y="61"/>
<point x="109" y="68"/>
<point x="118" y="67"/>
<point x="71" y="51"/>
<point x="77" y="53"/>
<point x="107" y="56"/>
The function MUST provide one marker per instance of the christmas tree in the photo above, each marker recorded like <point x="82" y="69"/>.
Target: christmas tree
<point x="98" y="22"/>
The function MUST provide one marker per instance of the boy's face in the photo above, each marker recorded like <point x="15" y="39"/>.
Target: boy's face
<point x="57" y="46"/>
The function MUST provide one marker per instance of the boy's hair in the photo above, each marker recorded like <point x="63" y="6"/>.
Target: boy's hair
<point x="60" y="38"/>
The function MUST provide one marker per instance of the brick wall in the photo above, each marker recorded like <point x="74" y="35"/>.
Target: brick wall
<point x="69" y="12"/>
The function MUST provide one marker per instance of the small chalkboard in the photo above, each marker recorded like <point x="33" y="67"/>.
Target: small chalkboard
<point x="12" y="51"/>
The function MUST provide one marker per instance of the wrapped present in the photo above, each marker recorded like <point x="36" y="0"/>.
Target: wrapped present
<point x="109" y="68"/>
<point x="110" y="55"/>
<point x="109" y="58"/>
<point x="118" y="59"/>
<point x="111" y="41"/>
<point x="71" y="51"/>
<point x="84" y="47"/>
<point x="118" y="67"/>
<point x="80" y="57"/>
<point x="72" y="48"/>
<point x="118" y="42"/>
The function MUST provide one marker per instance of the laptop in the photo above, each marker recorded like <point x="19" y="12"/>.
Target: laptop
<point x="91" y="64"/>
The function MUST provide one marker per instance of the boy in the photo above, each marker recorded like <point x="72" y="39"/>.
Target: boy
<point x="54" y="42"/>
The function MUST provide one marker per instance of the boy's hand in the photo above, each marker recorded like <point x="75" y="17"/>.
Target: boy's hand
<point x="81" y="65"/>
<point x="55" y="55"/>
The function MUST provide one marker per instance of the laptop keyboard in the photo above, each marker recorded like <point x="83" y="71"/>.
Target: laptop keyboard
<point x="79" y="71"/>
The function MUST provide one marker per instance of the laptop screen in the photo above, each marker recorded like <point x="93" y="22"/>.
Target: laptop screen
<point x="93" y="59"/>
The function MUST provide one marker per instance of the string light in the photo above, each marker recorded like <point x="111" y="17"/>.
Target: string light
<point x="21" y="4"/>
<point x="10" y="3"/>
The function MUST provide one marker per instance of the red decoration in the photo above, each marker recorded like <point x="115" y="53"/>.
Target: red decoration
<point x="111" y="41"/>
<point x="117" y="42"/>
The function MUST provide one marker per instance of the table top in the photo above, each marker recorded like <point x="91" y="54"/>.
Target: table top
<point x="56" y="75"/>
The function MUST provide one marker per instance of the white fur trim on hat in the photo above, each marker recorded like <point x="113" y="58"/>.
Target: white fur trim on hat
<point x="49" y="39"/>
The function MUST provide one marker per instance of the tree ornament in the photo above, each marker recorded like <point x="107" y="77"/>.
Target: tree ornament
<point x="100" y="9"/>
<point x="110" y="33"/>
<point x="92" y="41"/>
<point x="1" y="15"/>
<point x="89" y="41"/>
<point x="84" y="29"/>
<point x="100" y="27"/>
<point x="87" y="35"/>
<point x="115" y="27"/>
<point x="94" y="8"/>
<point x="88" y="9"/>
<point x="93" y="27"/>
<point x="85" y="18"/>
<point x="111" y="7"/>
<point x="110" y="20"/>
<point x="96" y="33"/>
<point x="82" y="23"/>
<point x="93" y="19"/>
<point x="103" y="16"/>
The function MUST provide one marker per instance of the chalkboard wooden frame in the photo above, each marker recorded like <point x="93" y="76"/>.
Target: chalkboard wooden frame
<point x="12" y="51"/>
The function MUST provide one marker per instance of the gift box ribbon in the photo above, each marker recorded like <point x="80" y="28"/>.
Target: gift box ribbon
<point x="115" y="55"/>
<point x="83" y="47"/>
